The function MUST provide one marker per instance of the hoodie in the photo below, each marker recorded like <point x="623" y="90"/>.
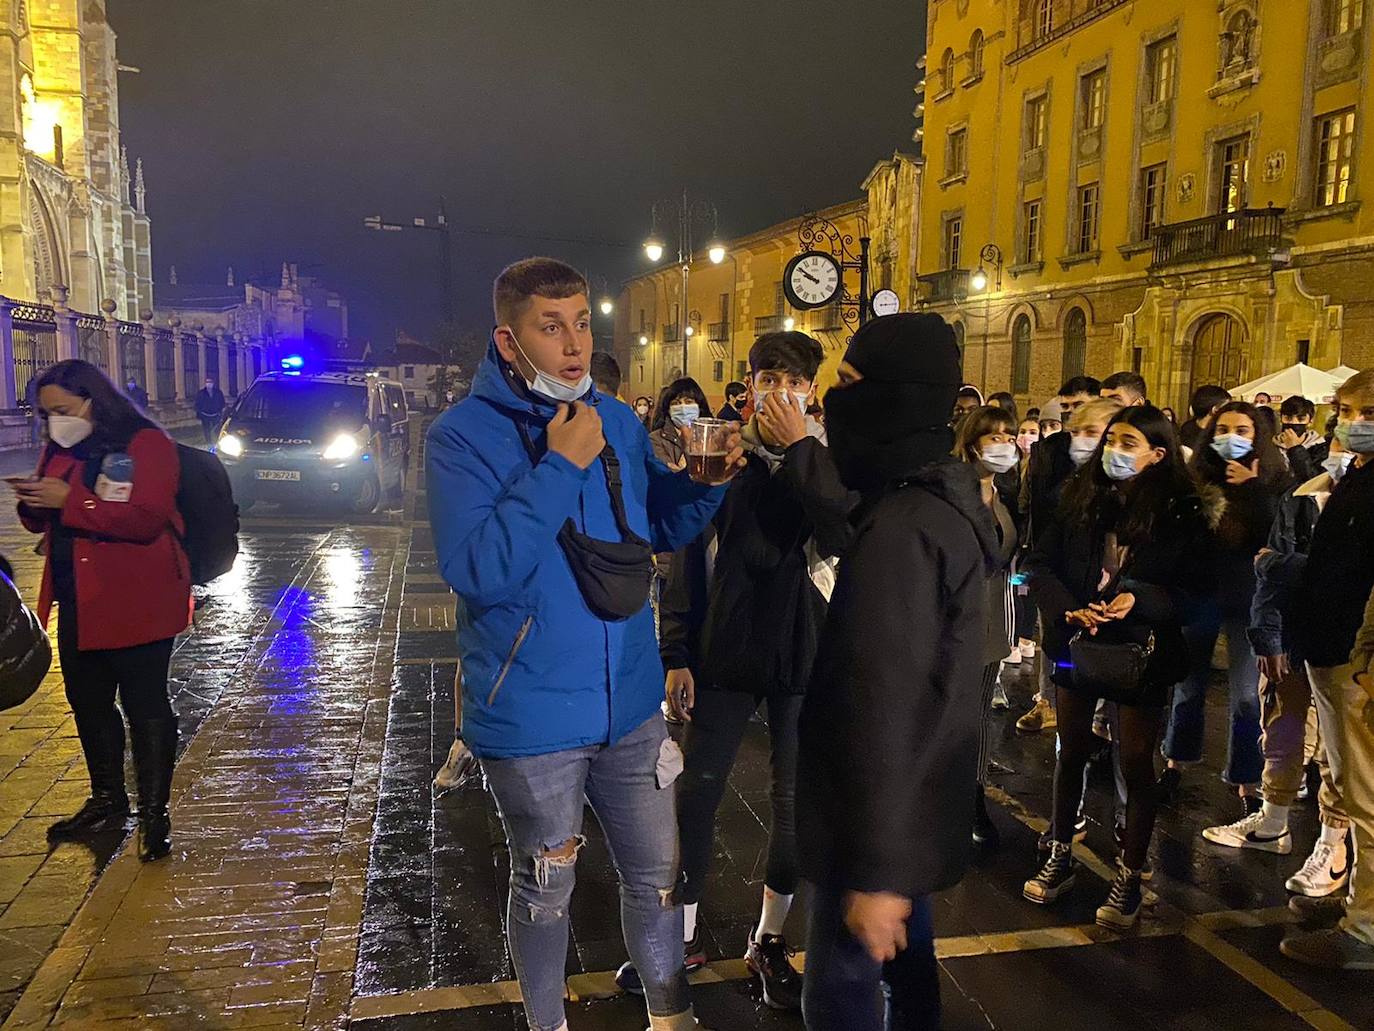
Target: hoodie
<point x="889" y="728"/>
<point x="541" y="673"/>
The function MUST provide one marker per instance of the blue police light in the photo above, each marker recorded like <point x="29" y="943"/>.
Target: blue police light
<point x="293" y="363"/>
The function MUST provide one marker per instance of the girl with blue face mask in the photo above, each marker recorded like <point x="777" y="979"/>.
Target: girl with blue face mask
<point x="1238" y="461"/>
<point x="680" y="404"/>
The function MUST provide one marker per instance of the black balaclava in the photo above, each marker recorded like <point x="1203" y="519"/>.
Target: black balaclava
<point x="894" y="421"/>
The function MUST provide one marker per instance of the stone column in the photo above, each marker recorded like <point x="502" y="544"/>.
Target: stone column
<point x="9" y="397"/>
<point x="199" y="330"/>
<point x="178" y="359"/>
<point x="222" y="346"/>
<point x="245" y="366"/>
<point x="66" y="324"/>
<point x="116" y="365"/>
<point x="150" y="357"/>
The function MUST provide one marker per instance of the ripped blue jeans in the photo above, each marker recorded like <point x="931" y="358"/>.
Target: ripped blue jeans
<point x="629" y="786"/>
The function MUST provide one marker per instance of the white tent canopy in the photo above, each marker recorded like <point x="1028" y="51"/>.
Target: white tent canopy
<point x="1313" y="384"/>
<point x="1343" y="372"/>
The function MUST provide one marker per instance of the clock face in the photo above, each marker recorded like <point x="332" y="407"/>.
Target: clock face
<point x="886" y="302"/>
<point x="812" y="280"/>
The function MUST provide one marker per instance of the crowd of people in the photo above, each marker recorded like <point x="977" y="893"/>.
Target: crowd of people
<point x="863" y="573"/>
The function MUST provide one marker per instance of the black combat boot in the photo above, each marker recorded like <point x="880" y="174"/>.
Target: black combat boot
<point x="102" y="743"/>
<point x="155" y="748"/>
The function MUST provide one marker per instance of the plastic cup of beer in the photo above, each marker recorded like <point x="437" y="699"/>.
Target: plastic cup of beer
<point x="707" y="450"/>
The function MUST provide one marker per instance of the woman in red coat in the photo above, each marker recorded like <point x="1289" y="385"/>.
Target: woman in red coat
<point x="104" y="497"/>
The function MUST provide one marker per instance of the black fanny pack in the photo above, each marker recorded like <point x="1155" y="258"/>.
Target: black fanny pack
<point x="613" y="576"/>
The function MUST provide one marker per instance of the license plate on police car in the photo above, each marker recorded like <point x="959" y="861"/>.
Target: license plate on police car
<point x="292" y="475"/>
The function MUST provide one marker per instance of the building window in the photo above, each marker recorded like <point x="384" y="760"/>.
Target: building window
<point x="956" y="152"/>
<point x="959" y="340"/>
<point x="1044" y="18"/>
<point x="1088" y="204"/>
<point x="1030" y="220"/>
<point x="975" y="55"/>
<point x="954" y="238"/>
<point x="642" y="323"/>
<point x="718" y="371"/>
<point x="1020" y="354"/>
<point x="947" y="72"/>
<point x="1094" y="99"/>
<point x="742" y="370"/>
<point x="1233" y="173"/>
<point x="640" y="367"/>
<point x="1161" y="65"/>
<point x="1075" y="343"/>
<point x="1037" y="122"/>
<point x="1343" y="16"/>
<point x="409" y="372"/>
<point x="1151" y="199"/>
<point x="1304" y="351"/>
<point x="1335" y="147"/>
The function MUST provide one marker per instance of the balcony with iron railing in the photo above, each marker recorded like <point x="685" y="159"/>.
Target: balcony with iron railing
<point x="949" y="284"/>
<point x="768" y="324"/>
<point x="828" y="317"/>
<point x="718" y="332"/>
<point x="1249" y="232"/>
<point x="672" y="333"/>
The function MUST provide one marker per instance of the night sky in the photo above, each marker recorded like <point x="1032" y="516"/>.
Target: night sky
<point x="270" y="128"/>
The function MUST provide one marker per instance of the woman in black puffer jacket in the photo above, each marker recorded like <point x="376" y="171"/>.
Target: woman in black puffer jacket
<point x="25" y="652"/>
<point x="1122" y="554"/>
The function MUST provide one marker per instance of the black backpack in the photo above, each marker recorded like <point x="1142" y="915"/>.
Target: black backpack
<point x="205" y="499"/>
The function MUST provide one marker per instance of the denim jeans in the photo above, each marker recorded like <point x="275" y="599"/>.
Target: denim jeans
<point x="1183" y="739"/>
<point x="843" y="990"/>
<point x="711" y="743"/>
<point x="540" y="798"/>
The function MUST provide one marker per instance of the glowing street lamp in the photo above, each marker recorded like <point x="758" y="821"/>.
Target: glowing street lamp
<point x="979" y="280"/>
<point x="653" y="248"/>
<point x="607" y="306"/>
<point x="643" y="340"/>
<point x="716" y="253"/>
<point x="789" y="323"/>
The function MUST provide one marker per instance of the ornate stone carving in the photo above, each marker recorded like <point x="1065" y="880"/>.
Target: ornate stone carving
<point x="1275" y="165"/>
<point x="1156" y="117"/>
<point x="1187" y="186"/>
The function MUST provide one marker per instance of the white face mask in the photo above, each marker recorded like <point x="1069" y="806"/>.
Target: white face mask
<point x="1080" y="450"/>
<point x="67" y="431"/>
<point x="787" y="397"/>
<point x="998" y="458"/>
<point x="552" y="387"/>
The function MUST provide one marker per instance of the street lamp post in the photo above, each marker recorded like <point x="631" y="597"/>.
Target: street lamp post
<point x="688" y="213"/>
<point x="441" y="227"/>
<point x="991" y="254"/>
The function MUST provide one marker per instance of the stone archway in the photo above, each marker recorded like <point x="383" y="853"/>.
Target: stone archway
<point x="48" y="262"/>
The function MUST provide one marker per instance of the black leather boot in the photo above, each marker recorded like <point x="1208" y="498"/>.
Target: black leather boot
<point x="155" y="747"/>
<point x="102" y="743"/>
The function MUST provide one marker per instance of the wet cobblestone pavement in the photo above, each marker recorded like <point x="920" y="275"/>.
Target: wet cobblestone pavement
<point x="317" y="882"/>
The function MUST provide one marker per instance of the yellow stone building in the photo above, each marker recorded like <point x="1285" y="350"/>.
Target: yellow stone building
<point x="730" y="304"/>
<point x="72" y="217"/>
<point x="1176" y="187"/>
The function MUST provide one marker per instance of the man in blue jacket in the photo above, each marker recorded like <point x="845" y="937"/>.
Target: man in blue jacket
<point x="562" y="706"/>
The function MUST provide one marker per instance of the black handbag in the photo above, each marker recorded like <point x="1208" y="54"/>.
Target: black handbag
<point x="613" y="576"/>
<point x="25" y="651"/>
<point x="1113" y="664"/>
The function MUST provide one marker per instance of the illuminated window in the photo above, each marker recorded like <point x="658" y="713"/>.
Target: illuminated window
<point x="1151" y="199"/>
<point x="1161" y="64"/>
<point x="1020" y="354"/>
<point x="1088" y="203"/>
<point x="1094" y="99"/>
<point x="1037" y="119"/>
<point x="1343" y="16"/>
<point x="1233" y="173"/>
<point x="1335" y="147"/>
<point x="954" y="239"/>
<point x="1030" y="221"/>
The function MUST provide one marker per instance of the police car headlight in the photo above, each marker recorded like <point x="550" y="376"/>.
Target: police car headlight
<point x="345" y="445"/>
<point x="230" y="446"/>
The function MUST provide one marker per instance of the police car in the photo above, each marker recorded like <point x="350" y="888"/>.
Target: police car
<point x="317" y="436"/>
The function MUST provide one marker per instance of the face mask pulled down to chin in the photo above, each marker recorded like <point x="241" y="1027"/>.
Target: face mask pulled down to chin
<point x="551" y="387"/>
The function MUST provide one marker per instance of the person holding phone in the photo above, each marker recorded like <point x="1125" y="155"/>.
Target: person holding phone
<point x="104" y="498"/>
<point x="1234" y="455"/>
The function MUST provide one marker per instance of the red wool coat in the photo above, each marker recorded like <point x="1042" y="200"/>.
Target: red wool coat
<point x="133" y="582"/>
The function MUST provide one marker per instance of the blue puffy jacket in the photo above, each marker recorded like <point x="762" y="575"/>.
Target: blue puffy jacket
<point x="541" y="673"/>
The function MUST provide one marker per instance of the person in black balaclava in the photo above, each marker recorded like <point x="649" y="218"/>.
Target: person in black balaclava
<point x="889" y="727"/>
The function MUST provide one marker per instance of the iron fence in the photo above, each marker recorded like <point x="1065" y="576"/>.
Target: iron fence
<point x="165" y="359"/>
<point x="35" y="347"/>
<point x="131" y="354"/>
<point x="91" y="345"/>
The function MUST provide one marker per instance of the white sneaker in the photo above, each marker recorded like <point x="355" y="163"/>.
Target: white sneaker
<point x="1247" y="833"/>
<point x="1027" y="648"/>
<point x="999" y="697"/>
<point x="1327" y="870"/>
<point x="1014" y="658"/>
<point x="460" y="765"/>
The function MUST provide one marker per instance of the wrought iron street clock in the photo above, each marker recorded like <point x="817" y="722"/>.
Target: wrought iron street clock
<point x="812" y="280"/>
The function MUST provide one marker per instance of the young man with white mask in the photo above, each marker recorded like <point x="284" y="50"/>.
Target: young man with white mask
<point x="740" y="621"/>
<point x="547" y="505"/>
